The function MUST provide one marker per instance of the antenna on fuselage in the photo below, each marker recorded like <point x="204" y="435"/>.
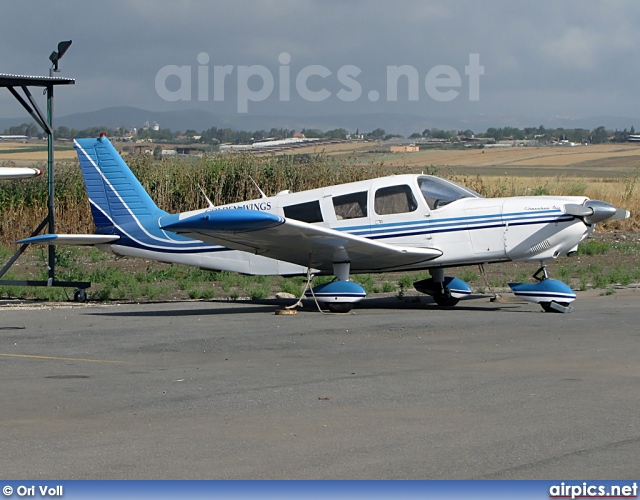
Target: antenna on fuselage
<point x="262" y="195"/>
<point x="211" y="205"/>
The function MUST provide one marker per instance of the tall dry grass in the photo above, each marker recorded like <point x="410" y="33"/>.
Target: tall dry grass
<point x="175" y="186"/>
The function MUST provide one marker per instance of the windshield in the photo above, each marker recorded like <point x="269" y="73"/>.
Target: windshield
<point x="440" y="192"/>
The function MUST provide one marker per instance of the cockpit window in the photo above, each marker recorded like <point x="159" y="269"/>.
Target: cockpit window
<point x="440" y="192"/>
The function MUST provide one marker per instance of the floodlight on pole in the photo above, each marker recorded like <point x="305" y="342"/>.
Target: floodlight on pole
<point x="56" y="56"/>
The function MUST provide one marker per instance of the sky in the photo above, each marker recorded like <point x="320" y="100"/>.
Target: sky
<point x="501" y="59"/>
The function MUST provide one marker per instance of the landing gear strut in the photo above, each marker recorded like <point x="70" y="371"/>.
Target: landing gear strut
<point x="542" y="271"/>
<point x="442" y="293"/>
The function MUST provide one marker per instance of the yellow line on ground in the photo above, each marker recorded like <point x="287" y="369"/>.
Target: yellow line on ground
<point x="56" y="358"/>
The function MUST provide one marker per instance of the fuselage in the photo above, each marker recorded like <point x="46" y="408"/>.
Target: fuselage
<point x="405" y="210"/>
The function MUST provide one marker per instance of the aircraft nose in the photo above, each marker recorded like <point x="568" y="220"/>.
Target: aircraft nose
<point x="602" y="211"/>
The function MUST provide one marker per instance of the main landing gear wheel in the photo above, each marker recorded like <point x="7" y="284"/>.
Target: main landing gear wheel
<point x="444" y="301"/>
<point x="339" y="307"/>
<point x="446" y="292"/>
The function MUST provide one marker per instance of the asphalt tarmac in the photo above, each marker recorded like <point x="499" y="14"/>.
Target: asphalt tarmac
<point x="394" y="390"/>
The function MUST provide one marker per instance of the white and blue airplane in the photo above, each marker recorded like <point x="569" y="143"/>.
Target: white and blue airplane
<point x="16" y="173"/>
<point x="394" y="223"/>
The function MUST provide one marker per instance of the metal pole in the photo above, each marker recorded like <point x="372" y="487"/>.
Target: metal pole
<point x="50" y="204"/>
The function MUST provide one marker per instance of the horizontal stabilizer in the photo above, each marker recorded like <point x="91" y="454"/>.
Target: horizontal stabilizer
<point x="226" y="221"/>
<point x="68" y="239"/>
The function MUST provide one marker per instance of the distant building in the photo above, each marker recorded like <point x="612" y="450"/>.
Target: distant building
<point x="519" y="142"/>
<point x="189" y="151"/>
<point x="405" y="148"/>
<point x="144" y="150"/>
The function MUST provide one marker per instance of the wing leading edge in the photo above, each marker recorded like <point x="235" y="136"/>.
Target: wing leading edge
<point x="68" y="239"/>
<point x="293" y="241"/>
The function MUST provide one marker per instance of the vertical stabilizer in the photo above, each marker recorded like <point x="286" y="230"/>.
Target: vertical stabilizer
<point x="115" y="194"/>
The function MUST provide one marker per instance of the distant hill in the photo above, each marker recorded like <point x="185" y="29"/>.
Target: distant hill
<point x="200" y="120"/>
<point x="128" y="116"/>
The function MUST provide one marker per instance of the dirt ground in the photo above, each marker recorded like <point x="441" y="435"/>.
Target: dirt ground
<point x="29" y="153"/>
<point x="600" y="160"/>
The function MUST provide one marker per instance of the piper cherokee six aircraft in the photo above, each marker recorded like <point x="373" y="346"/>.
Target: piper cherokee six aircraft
<point x="13" y="173"/>
<point x="395" y="223"/>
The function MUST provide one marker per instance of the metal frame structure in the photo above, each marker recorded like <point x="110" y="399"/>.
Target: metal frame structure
<point x="20" y="82"/>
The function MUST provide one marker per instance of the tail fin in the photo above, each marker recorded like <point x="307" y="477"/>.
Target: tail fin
<point x="115" y="195"/>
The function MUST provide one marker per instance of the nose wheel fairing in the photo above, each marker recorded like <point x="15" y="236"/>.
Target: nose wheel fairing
<point x="552" y="295"/>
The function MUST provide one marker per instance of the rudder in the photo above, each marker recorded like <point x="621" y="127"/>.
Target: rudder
<point x="115" y="194"/>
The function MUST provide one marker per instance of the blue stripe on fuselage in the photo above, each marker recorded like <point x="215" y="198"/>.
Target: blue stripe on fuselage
<point x="454" y="224"/>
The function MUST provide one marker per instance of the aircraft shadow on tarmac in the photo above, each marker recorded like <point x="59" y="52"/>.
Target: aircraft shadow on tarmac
<point x="271" y="305"/>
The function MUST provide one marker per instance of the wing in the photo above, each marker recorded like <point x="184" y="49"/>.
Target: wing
<point x="12" y="173"/>
<point x="68" y="239"/>
<point x="293" y="241"/>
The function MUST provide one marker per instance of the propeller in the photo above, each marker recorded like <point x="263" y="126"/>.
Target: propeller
<point x="594" y="211"/>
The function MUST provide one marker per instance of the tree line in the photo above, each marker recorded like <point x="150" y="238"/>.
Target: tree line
<point x="216" y="135"/>
<point x="598" y="135"/>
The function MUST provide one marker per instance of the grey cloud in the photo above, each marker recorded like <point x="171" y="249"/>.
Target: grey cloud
<point x="576" y="58"/>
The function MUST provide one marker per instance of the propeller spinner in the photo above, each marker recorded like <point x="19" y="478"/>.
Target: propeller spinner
<point x="594" y="211"/>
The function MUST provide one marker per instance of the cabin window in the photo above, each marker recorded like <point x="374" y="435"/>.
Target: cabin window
<point x="350" y="206"/>
<point x="305" y="212"/>
<point x="395" y="200"/>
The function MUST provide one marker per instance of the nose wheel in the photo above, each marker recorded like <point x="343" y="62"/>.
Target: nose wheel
<point x="556" y="307"/>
